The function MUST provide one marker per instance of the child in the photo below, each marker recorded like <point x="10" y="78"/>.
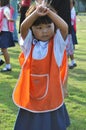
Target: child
<point x="73" y="38"/>
<point x="13" y="3"/>
<point x="6" y="38"/>
<point x="44" y="71"/>
<point x="73" y="22"/>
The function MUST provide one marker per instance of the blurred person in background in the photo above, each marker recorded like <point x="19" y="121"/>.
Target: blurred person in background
<point x="24" y="5"/>
<point x="6" y="29"/>
<point x="13" y="3"/>
<point x="73" y="37"/>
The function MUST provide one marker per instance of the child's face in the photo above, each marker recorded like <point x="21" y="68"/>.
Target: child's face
<point x="43" y="32"/>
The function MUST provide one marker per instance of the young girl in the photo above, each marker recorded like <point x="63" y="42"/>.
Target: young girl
<point x="43" y="61"/>
<point x="72" y="37"/>
<point x="73" y="21"/>
<point x="6" y="38"/>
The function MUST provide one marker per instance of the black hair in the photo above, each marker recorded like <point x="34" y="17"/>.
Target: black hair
<point x="73" y="2"/>
<point x="4" y="2"/>
<point x="42" y="20"/>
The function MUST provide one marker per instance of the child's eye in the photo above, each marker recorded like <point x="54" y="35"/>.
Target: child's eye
<point x="39" y="28"/>
<point x="49" y="26"/>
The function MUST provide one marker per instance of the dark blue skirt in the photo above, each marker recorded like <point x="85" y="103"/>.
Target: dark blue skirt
<point x="55" y="120"/>
<point x="6" y="39"/>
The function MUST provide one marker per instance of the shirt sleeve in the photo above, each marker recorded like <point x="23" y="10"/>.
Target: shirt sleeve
<point x="26" y="43"/>
<point x="73" y="15"/>
<point x="7" y="12"/>
<point x="59" y="47"/>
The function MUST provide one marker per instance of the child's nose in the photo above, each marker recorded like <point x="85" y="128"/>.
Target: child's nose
<point x="44" y="30"/>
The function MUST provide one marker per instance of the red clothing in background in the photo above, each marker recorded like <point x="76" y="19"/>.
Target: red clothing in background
<point x="25" y="3"/>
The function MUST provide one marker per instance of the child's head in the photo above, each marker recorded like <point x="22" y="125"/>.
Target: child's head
<point x="4" y="2"/>
<point x="72" y="3"/>
<point x="43" y="28"/>
<point x="42" y="20"/>
<point x="43" y="32"/>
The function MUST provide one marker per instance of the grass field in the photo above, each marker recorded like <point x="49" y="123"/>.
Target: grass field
<point x="75" y="102"/>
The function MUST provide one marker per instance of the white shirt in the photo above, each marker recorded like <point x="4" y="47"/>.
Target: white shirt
<point x="41" y="48"/>
<point x="73" y="15"/>
<point x="6" y="12"/>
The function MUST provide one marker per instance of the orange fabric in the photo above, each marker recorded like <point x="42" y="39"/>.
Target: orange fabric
<point x="21" y="58"/>
<point x="39" y="86"/>
<point x="64" y="67"/>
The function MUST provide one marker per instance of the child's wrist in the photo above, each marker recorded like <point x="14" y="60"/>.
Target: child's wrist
<point x="36" y="13"/>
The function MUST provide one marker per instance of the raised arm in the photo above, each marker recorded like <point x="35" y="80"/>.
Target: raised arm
<point x="59" y="22"/>
<point x="42" y="11"/>
<point x="27" y="23"/>
<point x="7" y="14"/>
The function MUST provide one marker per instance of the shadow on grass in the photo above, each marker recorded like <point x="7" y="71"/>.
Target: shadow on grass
<point x="78" y="74"/>
<point x="6" y="96"/>
<point x="8" y="81"/>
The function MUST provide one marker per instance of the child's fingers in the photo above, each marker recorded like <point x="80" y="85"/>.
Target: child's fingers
<point x="42" y="10"/>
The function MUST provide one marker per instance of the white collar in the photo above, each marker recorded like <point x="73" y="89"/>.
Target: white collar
<point x="40" y="43"/>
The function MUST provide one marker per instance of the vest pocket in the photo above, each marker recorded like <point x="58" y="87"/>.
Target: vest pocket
<point x="39" y="86"/>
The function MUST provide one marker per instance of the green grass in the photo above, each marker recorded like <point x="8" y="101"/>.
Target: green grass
<point x="7" y="83"/>
<point x="75" y="102"/>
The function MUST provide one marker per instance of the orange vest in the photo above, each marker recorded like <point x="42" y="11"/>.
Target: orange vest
<point x="39" y="88"/>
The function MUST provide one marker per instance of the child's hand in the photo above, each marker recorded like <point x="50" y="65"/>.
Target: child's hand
<point x="41" y="10"/>
<point x="11" y="20"/>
